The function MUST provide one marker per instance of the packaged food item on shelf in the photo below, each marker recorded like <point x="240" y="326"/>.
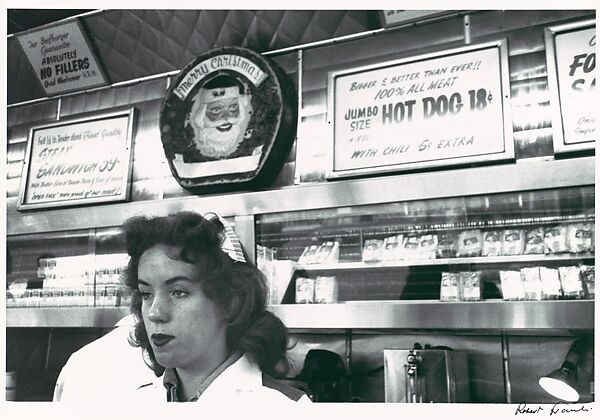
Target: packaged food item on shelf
<point x="513" y="241"/>
<point x="326" y="289"/>
<point x="580" y="237"/>
<point x="372" y="250"/>
<point x="305" y="290"/>
<point x="309" y="255"/>
<point x="492" y="243"/>
<point x="588" y="277"/>
<point x="570" y="280"/>
<point x="470" y="243"/>
<point x="428" y="246"/>
<point x="328" y="252"/>
<point x="551" y="288"/>
<point x="534" y="241"/>
<point x="449" y="289"/>
<point x="447" y="244"/>
<point x="281" y="272"/>
<point x="410" y="246"/>
<point x="512" y="285"/>
<point x="532" y="283"/>
<point x="470" y="285"/>
<point x="555" y="239"/>
<point x="392" y="248"/>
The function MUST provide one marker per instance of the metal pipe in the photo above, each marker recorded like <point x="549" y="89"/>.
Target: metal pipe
<point x="47" y="359"/>
<point x="506" y="368"/>
<point x="349" y="361"/>
<point x="300" y="66"/>
<point x="467" y="28"/>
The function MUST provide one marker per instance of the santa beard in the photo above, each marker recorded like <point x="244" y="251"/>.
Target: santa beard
<point x="213" y="143"/>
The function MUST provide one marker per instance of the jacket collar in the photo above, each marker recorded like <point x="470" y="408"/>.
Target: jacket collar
<point x="243" y="375"/>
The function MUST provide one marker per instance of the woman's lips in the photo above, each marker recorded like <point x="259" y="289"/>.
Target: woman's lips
<point x="161" y="339"/>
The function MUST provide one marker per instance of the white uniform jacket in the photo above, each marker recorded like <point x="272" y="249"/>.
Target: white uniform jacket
<point x="242" y="385"/>
<point x="107" y="369"/>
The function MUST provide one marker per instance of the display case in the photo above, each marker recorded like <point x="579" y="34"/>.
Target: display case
<point x="494" y="261"/>
<point x="66" y="279"/>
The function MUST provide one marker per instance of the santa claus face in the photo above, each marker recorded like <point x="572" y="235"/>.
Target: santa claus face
<point x="219" y="124"/>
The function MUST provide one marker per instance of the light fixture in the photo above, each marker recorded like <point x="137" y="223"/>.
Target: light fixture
<point x="562" y="383"/>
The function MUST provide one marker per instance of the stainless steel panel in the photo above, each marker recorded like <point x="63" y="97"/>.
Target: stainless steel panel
<point x="172" y="189"/>
<point x="532" y="117"/>
<point x="523" y="176"/>
<point x="147" y="190"/>
<point x="14" y="169"/>
<point x="483" y="353"/>
<point x="533" y="143"/>
<point x="384" y="46"/>
<point x="528" y="66"/>
<point x="530" y="359"/>
<point x="15" y="152"/>
<point x="64" y="317"/>
<point x="496" y="21"/>
<point x="439" y="376"/>
<point x="13" y="186"/>
<point x="487" y="315"/>
<point x="30" y="114"/>
<point x="530" y="91"/>
<point x="98" y="100"/>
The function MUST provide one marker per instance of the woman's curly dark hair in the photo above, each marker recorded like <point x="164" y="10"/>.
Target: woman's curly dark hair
<point x="238" y="288"/>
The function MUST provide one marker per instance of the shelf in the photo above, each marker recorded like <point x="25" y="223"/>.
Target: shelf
<point x="486" y="315"/>
<point x="65" y="317"/>
<point x="541" y="258"/>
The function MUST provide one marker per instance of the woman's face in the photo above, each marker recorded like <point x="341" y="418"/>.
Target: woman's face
<point x="186" y="329"/>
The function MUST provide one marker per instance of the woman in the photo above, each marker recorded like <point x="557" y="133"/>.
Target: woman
<point x="201" y="314"/>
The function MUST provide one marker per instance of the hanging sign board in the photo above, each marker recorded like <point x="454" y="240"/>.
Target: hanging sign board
<point x="228" y="118"/>
<point x="61" y="58"/>
<point x="438" y="109"/>
<point x="78" y="162"/>
<point x="571" y="59"/>
<point x="402" y="17"/>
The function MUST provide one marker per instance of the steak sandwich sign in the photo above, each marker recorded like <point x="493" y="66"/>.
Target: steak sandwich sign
<point x="78" y="162"/>
<point x="439" y="109"/>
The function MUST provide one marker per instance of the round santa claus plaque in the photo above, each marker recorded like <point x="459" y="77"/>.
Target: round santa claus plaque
<point x="228" y="119"/>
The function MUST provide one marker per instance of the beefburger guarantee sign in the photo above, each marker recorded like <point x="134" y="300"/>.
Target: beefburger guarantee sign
<point x="228" y="118"/>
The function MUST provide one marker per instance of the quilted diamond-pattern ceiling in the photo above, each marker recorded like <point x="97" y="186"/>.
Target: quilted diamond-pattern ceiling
<point x="132" y="44"/>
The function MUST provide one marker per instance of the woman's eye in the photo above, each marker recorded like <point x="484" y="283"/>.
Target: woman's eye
<point x="145" y="295"/>
<point x="180" y="293"/>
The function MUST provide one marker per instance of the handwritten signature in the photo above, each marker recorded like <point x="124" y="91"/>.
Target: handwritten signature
<point x="555" y="409"/>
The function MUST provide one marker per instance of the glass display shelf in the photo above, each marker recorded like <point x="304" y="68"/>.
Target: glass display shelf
<point x="502" y="260"/>
<point x="472" y="248"/>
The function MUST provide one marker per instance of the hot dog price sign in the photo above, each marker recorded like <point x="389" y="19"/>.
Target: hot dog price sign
<point x="435" y="110"/>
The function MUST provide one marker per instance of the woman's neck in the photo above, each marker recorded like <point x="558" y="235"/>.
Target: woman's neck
<point x="191" y="378"/>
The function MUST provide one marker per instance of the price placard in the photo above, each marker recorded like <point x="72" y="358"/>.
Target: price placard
<point x="78" y="162"/>
<point x="438" y="109"/>
<point x="571" y="60"/>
